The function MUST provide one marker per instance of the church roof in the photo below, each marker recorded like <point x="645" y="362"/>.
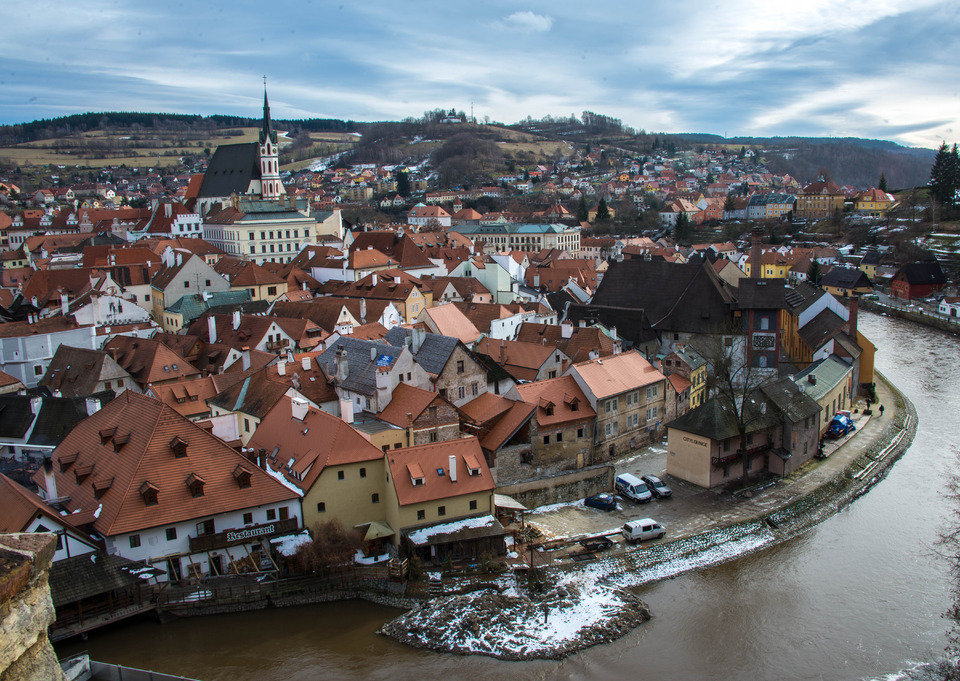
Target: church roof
<point x="231" y="169"/>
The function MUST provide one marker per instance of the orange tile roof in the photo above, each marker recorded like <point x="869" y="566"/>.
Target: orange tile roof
<point x="407" y="399"/>
<point x="560" y="395"/>
<point x="149" y="361"/>
<point x="317" y="441"/>
<point x="129" y="444"/>
<point x="617" y="374"/>
<point x="433" y="457"/>
<point x="450" y="321"/>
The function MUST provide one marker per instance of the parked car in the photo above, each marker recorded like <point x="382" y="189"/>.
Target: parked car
<point x="657" y="486"/>
<point x="604" y="501"/>
<point x="641" y="530"/>
<point x="633" y="488"/>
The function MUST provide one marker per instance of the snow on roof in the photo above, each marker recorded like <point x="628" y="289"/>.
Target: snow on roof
<point x="423" y="535"/>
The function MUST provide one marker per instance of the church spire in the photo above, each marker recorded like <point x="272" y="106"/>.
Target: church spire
<point x="267" y="132"/>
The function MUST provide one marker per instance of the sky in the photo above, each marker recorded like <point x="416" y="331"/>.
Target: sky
<point x="884" y="69"/>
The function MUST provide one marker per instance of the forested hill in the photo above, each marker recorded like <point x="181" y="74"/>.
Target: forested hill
<point x="48" y="128"/>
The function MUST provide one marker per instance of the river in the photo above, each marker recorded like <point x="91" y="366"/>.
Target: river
<point x="857" y="597"/>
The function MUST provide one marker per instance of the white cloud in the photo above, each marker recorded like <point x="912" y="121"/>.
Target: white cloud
<point x="529" y="22"/>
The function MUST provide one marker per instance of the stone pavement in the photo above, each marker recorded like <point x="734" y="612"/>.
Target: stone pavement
<point x="693" y="510"/>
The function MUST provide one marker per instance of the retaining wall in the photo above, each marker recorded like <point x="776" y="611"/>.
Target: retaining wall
<point x="556" y="489"/>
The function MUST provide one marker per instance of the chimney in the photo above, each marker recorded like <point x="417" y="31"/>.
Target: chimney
<point x="566" y="329"/>
<point x="453" y="467"/>
<point x="854" y="307"/>
<point x="373" y="354"/>
<point x="35" y="404"/>
<point x="64" y="304"/>
<point x="410" y="440"/>
<point x="93" y="406"/>
<point x="236" y="319"/>
<point x="262" y="457"/>
<point x="305" y="363"/>
<point x="373" y="278"/>
<point x="583" y="323"/>
<point x="179" y="259"/>
<point x="212" y="328"/>
<point x="343" y="369"/>
<point x="298" y="408"/>
<point x="419" y="335"/>
<point x="245" y="357"/>
<point x="363" y="311"/>
<point x="167" y="210"/>
<point x="756" y="254"/>
<point x="396" y="280"/>
<point x="49" y="479"/>
<point x="281" y="368"/>
<point x="346" y="411"/>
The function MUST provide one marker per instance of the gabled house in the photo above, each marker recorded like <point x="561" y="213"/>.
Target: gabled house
<point x="525" y="362"/>
<point x="183" y="276"/>
<point x="162" y="490"/>
<point x="424" y="415"/>
<point x="365" y="373"/>
<point x="562" y="429"/>
<point x="455" y="372"/>
<point x="29" y="346"/>
<point x="629" y="397"/>
<point x="79" y="372"/>
<point x="783" y="433"/>
<point x="440" y="501"/>
<point x="338" y="471"/>
<point x="846" y="281"/>
<point x="148" y="361"/>
<point x="918" y="280"/>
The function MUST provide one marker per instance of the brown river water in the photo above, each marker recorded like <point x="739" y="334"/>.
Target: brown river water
<point x="857" y="597"/>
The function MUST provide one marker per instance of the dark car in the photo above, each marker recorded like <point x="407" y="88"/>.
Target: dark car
<point x="657" y="486"/>
<point x="605" y="502"/>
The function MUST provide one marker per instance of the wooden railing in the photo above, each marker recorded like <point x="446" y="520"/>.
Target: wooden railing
<point x="240" y="535"/>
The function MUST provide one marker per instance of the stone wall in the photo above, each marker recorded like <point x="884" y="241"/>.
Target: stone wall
<point x="560" y="488"/>
<point x="918" y="317"/>
<point x="26" y="609"/>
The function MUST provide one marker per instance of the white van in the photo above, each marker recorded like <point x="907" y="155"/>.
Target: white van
<point x="642" y="530"/>
<point x="633" y="488"/>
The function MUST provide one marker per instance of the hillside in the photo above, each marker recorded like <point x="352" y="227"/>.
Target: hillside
<point x="462" y="151"/>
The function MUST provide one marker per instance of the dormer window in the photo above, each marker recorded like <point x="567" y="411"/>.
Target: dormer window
<point x="416" y="474"/>
<point x="107" y="434"/>
<point x="179" y="447"/>
<point x="473" y="466"/>
<point x="100" y="487"/>
<point x="67" y="460"/>
<point x="81" y="472"/>
<point x="242" y="476"/>
<point x="149" y="493"/>
<point x="120" y="441"/>
<point x="195" y="483"/>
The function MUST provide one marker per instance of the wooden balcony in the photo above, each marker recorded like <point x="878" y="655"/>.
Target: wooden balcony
<point x="240" y="535"/>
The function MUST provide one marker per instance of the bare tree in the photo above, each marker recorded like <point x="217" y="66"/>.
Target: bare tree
<point x="733" y="380"/>
<point x="333" y="544"/>
<point x="948" y="548"/>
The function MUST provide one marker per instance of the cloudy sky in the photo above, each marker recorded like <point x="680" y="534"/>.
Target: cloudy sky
<point x="887" y="69"/>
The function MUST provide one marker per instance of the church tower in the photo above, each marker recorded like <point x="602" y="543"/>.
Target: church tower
<point x="270" y="185"/>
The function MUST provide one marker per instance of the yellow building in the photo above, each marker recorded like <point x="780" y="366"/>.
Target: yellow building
<point x="874" y="202"/>
<point x="820" y="200"/>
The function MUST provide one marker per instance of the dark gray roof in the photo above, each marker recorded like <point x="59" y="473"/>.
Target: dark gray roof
<point x="802" y="296"/>
<point x="93" y="574"/>
<point x="845" y="277"/>
<point x="827" y="373"/>
<point x="633" y="326"/>
<point x="753" y="294"/>
<point x="231" y="169"/>
<point x="361" y="368"/>
<point x="717" y="421"/>
<point x="433" y="354"/>
<point x="59" y="415"/>
<point x="923" y="273"/>
<point x="819" y="329"/>
<point x="690" y="298"/>
<point x="15" y="416"/>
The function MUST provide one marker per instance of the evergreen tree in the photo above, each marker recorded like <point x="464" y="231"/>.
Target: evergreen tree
<point x="603" y="213"/>
<point x="682" y="229"/>
<point x="813" y="272"/>
<point x="729" y="206"/>
<point x="583" y="215"/>
<point x="403" y="183"/>
<point x="882" y="185"/>
<point x="945" y="175"/>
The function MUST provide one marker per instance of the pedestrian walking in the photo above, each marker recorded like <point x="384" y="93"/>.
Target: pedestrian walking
<point x="881" y="410"/>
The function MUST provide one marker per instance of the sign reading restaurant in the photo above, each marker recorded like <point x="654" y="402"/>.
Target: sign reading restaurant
<point x="250" y="533"/>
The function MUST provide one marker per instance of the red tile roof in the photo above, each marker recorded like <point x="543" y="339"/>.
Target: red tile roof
<point x="433" y="457"/>
<point x="129" y="444"/>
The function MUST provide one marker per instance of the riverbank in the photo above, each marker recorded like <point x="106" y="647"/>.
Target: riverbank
<point x="764" y="519"/>
<point x="947" y="324"/>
